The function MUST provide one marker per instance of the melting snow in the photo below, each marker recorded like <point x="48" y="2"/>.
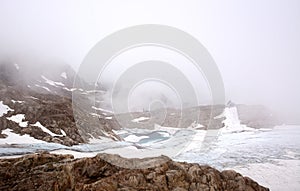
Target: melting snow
<point x="108" y="117"/>
<point x="137" y="120"/>
<point x="68" y="89"/>
<point x="14" y="101"/>
<point x="38" y="124"/>
<point x="95" y="114"/>
<point x="52" y="83"/>
<point x="33" y="97"/>
<point x="4" y="109"/>
<point x="19" y="119"/>
<point x="100" y="109"/>
<point x="63" y="132"/>
<point x="43" y="87"/>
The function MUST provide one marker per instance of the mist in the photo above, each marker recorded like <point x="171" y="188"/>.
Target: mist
<point x="255" y="44"/>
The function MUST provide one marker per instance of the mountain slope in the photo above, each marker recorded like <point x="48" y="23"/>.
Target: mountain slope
<point x="40" y="102"/>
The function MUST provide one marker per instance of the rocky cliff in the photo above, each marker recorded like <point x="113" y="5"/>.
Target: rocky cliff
<point x="40" y="98"/>
<point x="46" y="171"/>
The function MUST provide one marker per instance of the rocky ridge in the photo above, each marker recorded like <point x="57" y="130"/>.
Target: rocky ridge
<point x="46" y="171"/>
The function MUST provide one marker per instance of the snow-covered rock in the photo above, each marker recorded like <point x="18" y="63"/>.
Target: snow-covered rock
<point x="13" y="138"/>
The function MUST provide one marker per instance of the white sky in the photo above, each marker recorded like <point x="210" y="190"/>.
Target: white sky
<point x="256" y="44"/>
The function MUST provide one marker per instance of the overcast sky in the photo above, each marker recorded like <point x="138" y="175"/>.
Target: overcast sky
<point x="256" y="44"/>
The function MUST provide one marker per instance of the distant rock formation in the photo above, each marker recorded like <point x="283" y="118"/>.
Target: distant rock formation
<point x="46" y="171"/>
<point x="43" y="94"/>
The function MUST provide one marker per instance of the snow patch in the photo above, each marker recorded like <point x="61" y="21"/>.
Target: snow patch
<point x="19" y="119"/>
<point x="51" y="82"/>
<point x="95" y="91"/>
<point x="14" y="101"/>
<point x="38" y="124"/>
<point x="43" y="87"/>
<point x="4" y="109"/>
<point x="64" y="75"/>
<point x="13" y="138"/>
<point x="95" y="114"/>
<point x="33" y="97"/>
<point x="17" y="66"/>
<point x="63" y="132"/>
<point x="68" y="89"/>
<point x="100" y="109"/>
<point x="137" y="120"/>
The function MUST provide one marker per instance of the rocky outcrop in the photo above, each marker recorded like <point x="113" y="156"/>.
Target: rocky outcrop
<point x="204" y="115"/>
<point x="43" y="94"/>
<point x="46" y="171"/>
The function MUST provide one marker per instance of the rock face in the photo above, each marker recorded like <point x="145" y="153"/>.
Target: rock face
<point x="43" y="94"/>
<point x="46" y="171"/>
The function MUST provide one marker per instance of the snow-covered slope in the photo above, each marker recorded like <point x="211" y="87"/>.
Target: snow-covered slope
<point x="37" y="100"/>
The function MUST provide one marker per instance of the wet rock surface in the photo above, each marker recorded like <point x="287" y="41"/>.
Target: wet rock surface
<point x="46" y="171"/>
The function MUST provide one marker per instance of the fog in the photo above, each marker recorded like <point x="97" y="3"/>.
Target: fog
<point x="255" y="44"/>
